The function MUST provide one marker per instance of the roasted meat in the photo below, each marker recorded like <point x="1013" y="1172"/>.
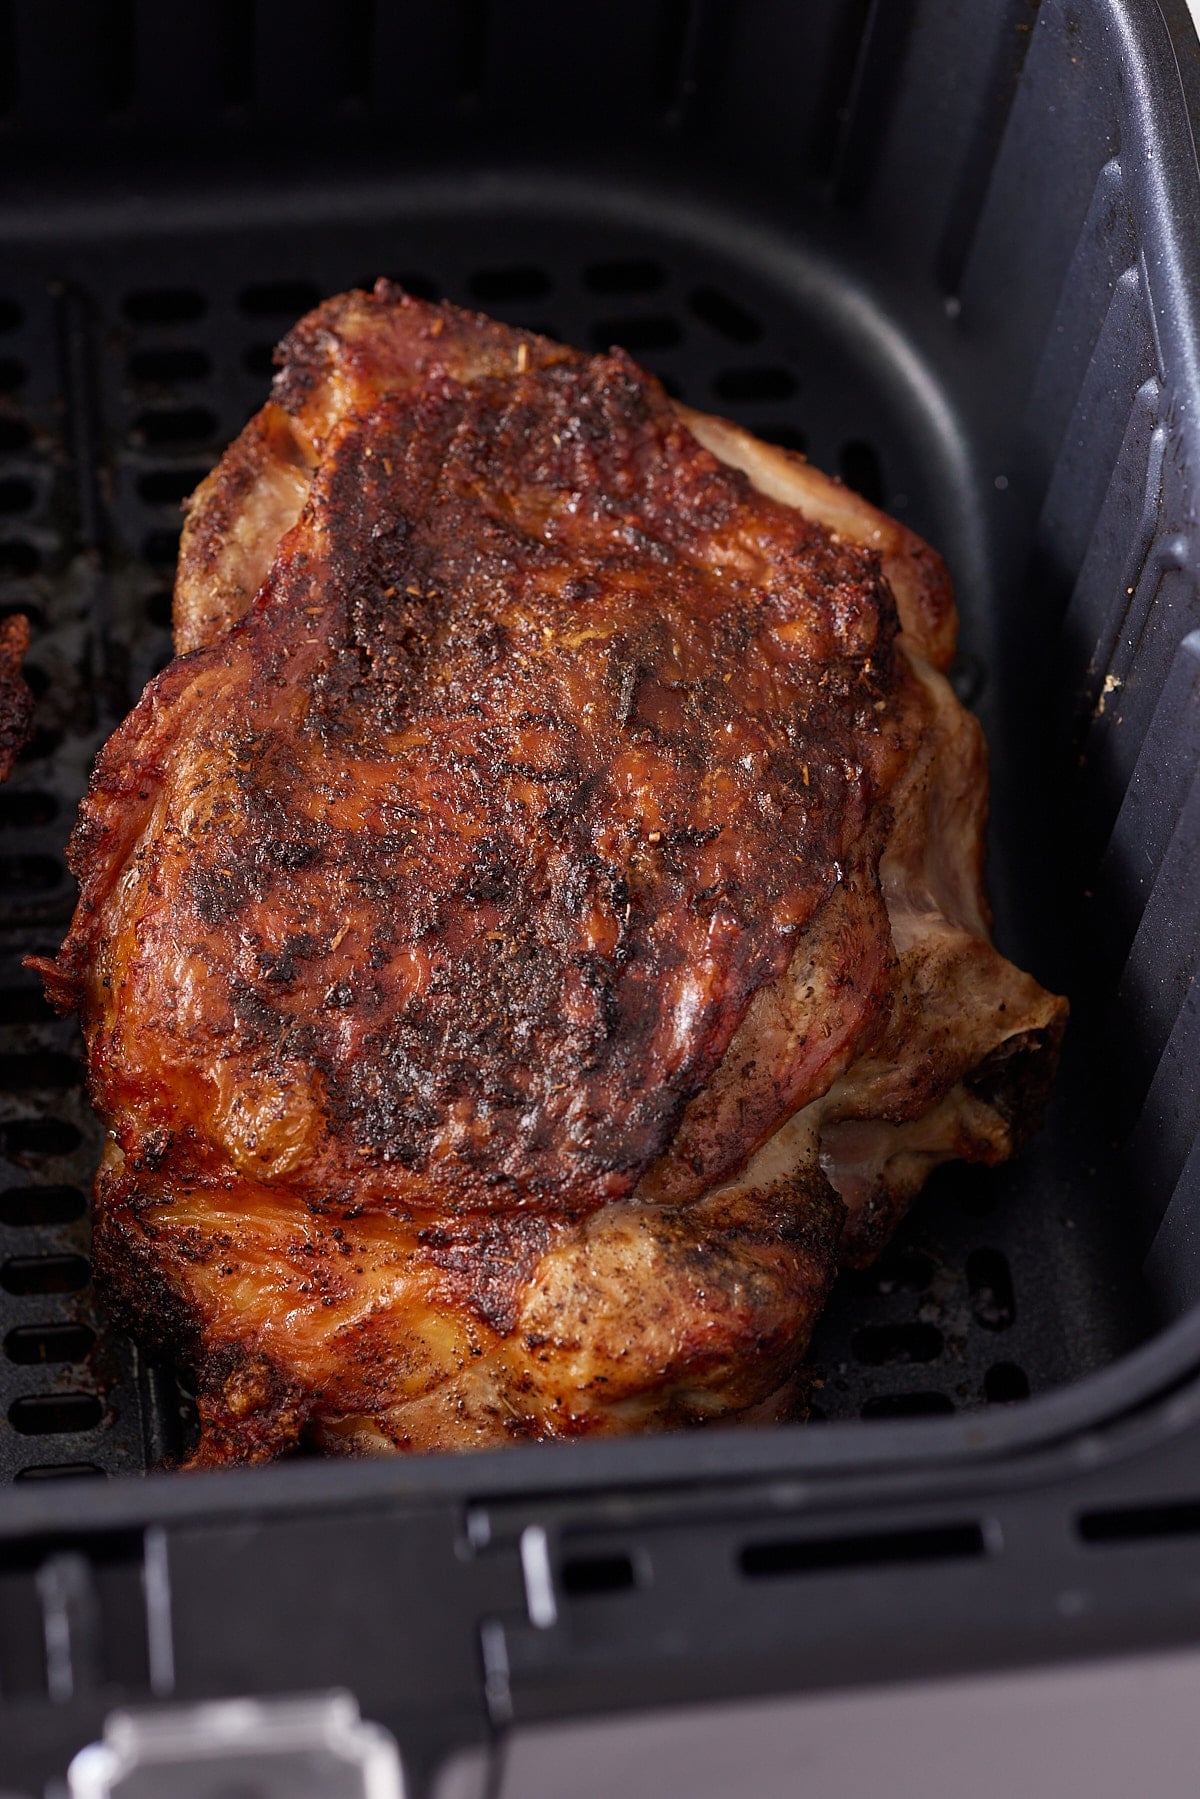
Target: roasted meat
<point x="16" y="700"/>
<point x="535" y="928"/>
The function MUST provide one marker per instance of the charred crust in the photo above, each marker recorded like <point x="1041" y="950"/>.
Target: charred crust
<point x="868" y="1229"/>
<point x="16" y="699"/>
<point x="250" y="1411"/>
<point x="140" y="1289"/>
<point x="487" y="1262"/>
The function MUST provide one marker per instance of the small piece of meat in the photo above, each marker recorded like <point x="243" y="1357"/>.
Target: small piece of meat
<point x="553" y="832"/>
<point x="16" y="700"/>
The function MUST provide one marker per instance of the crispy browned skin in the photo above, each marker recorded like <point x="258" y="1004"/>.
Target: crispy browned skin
<point x="465" y="918"/>
<point x="16" y="700"/>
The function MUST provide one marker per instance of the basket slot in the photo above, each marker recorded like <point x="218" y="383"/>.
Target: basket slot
<point x="33" y="1345"/>
<point x="783" y="93"/>
<point x="73" y="62"/>
<point x="26" y="809"/>
<point x="1157" y="978"/>
<point x="447" y="41"/>
<point x="937" y="136"/>
<point x="26" y="1207"/>
<point x="814" y="1555"/>
<point x="984" y="113"/>
<point x="883" y="49"/>
<point x="1161" y="609"/>
<point x="639" y="64"/>
<point x="1173" y="1260"/>
<point x="1119" y="550"/>
<point x="1169" y="1123"/>
<point x="183" y="62"/>
<point x="299" y="56"/>
<point x="24" y="1275"/>
<point x="1097" y="523"/>
<point x="31" y="1138"/>
<point x="1106" y="248"/>
<point x="1061" y="120"/>
<point x="1164" y="600"/>
<point x="1157" y="791"/>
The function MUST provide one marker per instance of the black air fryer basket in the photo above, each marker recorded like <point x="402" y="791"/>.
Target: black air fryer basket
<point x="951" y="250"/>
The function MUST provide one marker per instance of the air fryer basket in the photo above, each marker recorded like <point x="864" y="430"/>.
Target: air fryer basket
<point x="168" y="349"/>
<point x="951" y="252"/>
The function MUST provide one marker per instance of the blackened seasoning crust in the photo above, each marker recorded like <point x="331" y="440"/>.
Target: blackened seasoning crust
<point x="16" y="700"/>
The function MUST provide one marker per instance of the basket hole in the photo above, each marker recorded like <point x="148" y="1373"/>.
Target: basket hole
<point x="884" y="1345"/>
<point x="161" y="548"/>
<point x="1141" y="1523"/>
<point x="14" y="435"/>
<point x="278" y="299"/>
<point x="357" y="48"/>
<point x="650" y="332"/>
<point x="504" y="286"/>
<point x="48" y="1414"/>
<point x="582" y="1575"/>
<point x="165" y="305"/>
<point x="44" y="743"/>
<point x="39" y="1068"/>
<point x="788" y="437"/>
<point x="237" y="56"/>
<point x="1005" y="1382"/>
<point x="903" y="1270"/>
<point x="259" y="360"/>
<point x="60" y="1471"/>
<point x="17" y="494"/>
<point x="908" y="1405"/>
<point x="933" y="1543"/>
<point x="40" y="1137"/>
<point x="31" y="1344"/>
<point x="159" y="609"/>
<point x="13" y="374"/>
<point x="860" y="468"/>
<point x="31" y="874"/>
<point x="45" y="1274"/>
<point x="724" y="316"/>
<point x="169" y="363"/>
<point x="23" y="811"/>
<point x="21" y="1207"/>
<point x="18" y="558"/>
<point x="989" y="1283"/>
<point x="24" y="1005"/>
<point x="768" y="383"/>
<point x="167" y="486"/>
<point x="10" y="315"/>
<point x="625" y="275"/>
<point x="176" y="425"/>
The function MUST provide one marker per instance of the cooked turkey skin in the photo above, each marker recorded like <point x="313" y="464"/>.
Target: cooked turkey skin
<point x="553" y="843"/>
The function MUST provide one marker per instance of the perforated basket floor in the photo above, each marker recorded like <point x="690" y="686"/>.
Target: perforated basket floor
<point x="126" y="365"/>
